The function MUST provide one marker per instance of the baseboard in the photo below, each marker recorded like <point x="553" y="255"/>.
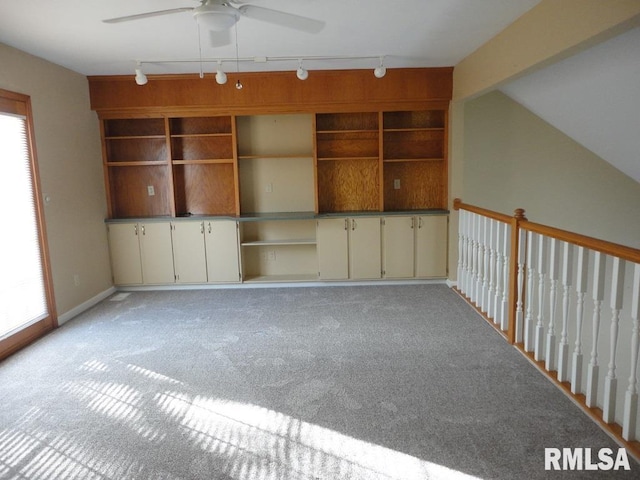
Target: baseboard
<point x="451" y="283"/>
<point x="333" y="283"/>
<point x="74" y="312"/>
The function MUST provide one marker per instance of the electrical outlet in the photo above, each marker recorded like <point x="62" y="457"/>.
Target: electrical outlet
<point x="76" y="279"/>
<point x="269" y="188"/>
<point x="396" y="184"/>
<point x="150" y="190"/>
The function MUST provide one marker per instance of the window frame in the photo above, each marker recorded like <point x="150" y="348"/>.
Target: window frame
<point x="20" y="104"/>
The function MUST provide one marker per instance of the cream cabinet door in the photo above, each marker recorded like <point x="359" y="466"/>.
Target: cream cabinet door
<point x="333" y="248"/>
<point x="221" y="240"/>
<point x="398" y="247"/>
<point x="365" y="261"/>
<point x="431" y="246"/>
<point x="124" y="247"/>
<point x="157" y="252"/>
<point x="188" y="252"/>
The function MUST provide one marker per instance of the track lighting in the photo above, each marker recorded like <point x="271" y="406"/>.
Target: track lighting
<point x="141" y="78"/>
<point x="301" y="73"/>
<point x="380" y="71"/>
<point x="221" y="77"/>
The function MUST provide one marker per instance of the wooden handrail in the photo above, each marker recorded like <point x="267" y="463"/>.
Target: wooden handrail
<point x="602" y="246"/>
<point x="458" y="204"/>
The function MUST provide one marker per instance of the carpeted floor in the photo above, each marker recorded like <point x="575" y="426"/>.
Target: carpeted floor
<point x="375" y="382"/>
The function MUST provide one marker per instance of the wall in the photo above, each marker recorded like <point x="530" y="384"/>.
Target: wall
<point x="513" y="159"/>
<point x="69" y="155"/>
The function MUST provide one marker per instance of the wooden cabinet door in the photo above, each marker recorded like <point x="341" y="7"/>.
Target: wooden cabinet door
<point x="124" y="247"/>
<point x="398" y="247"/>
<point x="221" y="240"/>
<point x="364" y="248"/>
<point x="188" y="252"/>
<point x="157" y="253"/>
<point x="431" y="246"/>
<point x="332" y="247"/>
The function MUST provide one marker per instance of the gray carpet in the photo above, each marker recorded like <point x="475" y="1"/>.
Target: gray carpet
<point x="380" y="382"/>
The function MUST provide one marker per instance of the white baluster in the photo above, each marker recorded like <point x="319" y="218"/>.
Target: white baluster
<point x="491" y="279"/>
<point x="598" y="296"/>
<point x="469" y="260"/>
<point x="486" y="279"/>
<point x="497" y="291"/>
<point x="563" y="348"/>
<point x="461" y="239"/>
<point x="554" y="254"/>
<point x="532" y="248"/>
<point x="474" y="261"/>
<point x="610" y="381"/>
<point x="581" y="290"/>
<point x="481" y="253"/>
<point x="506" y="246"/>
<point x="542" y="274"/>
<point x="631" y="397"/>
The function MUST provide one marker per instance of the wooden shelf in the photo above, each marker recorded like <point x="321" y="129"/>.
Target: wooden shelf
<point x="331" y="159"/>
<point x="206" y="161"/>
<point x="135" y="164"/>
<point x="275" y="156"/>
<point x="403" y="160"/>
<point x="135" y="137"/>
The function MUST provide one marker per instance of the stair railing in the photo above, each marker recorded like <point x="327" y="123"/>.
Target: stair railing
<point x="535" y="283"/>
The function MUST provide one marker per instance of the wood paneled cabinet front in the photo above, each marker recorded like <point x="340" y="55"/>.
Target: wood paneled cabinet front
<point x="141" y="253"/>
<point x="349" y="248"/>
<point x="415" y="246"/>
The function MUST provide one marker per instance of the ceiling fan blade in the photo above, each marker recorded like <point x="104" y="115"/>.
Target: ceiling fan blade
<point x="148" y="15"/>
<point x="219" y="38"/>
<point x="283" y="19"/>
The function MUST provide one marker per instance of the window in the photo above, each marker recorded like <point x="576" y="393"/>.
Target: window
<point x="26" y="307"/>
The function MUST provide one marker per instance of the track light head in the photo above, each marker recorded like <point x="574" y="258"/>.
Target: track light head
<point x="141" y="78"/>
<point x="221" y="77"/>
<point x="380" y="71"/>
<point x="301" y="73"/>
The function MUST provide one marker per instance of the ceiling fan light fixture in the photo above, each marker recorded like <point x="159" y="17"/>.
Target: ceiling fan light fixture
<point x="216" y="17"/>
<point x="141" y="78"/>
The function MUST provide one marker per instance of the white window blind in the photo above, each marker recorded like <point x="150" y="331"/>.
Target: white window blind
<point x="22" y="290"/>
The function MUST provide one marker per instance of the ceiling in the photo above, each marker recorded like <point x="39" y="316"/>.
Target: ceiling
<point x="592" y="97"/>
<point x="408" y="33"/>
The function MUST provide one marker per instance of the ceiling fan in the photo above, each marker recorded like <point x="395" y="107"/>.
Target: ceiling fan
<point x="221" y="15"/>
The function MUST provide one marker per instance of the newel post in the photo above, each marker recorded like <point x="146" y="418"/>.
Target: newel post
<point x="516" y="274"/>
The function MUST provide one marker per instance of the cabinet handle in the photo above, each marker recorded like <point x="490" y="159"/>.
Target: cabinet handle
<point x="135" y="229"/>
<point x="143" y="232"/>
<point x="353" y="224"/>
<point x="419" y="222"/>
<point x="201" y="227"/>
<point x="209" y="227"/>
<point x="346" y="224"/>
<point x="413" y="222"/>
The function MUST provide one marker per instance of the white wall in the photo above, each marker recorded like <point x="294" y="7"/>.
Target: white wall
<point x="70" y="160"/>
<point x="513" y="159"/>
